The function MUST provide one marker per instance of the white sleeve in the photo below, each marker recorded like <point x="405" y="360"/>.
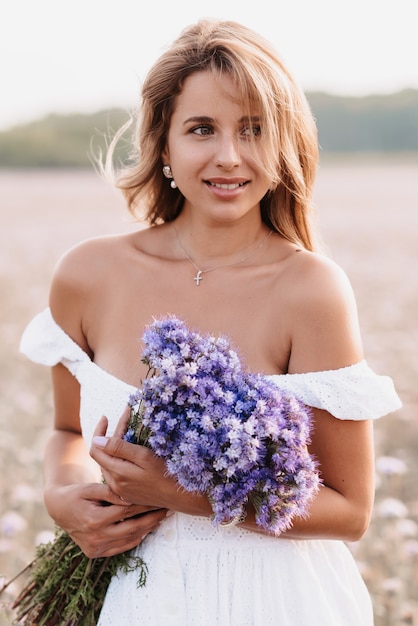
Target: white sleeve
<point x="355" y="392"/>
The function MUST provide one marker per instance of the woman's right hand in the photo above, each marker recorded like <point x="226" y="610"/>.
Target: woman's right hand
<point x="99" y="521"/>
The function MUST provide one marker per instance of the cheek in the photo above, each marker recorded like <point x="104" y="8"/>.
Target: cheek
<point x="188" y="161"/>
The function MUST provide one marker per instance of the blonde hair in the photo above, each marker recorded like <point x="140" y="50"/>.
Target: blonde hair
<point x="290" y="147"/>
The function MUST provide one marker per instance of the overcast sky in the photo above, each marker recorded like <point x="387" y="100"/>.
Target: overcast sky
<point x="84" y="55"/>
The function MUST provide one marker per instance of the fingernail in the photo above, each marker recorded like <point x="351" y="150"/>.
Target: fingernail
<point x="169" y="513"/>
<point x="100" y="441"/>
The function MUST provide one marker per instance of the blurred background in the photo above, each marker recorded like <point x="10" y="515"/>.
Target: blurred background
<point x="70" y="75"/>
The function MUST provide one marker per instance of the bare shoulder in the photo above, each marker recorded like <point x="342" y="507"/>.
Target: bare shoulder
<point x="79" y="266"/>
<point x="322" y="318"/>
<point x="319" y="280"/>
<point x="79" y="279"/>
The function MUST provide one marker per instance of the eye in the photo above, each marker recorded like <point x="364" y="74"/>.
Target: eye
<point x="203" y="130"/>
<point x="252" y="130"/>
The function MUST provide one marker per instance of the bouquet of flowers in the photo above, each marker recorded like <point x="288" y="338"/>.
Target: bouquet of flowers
<point x="222" y="431"/>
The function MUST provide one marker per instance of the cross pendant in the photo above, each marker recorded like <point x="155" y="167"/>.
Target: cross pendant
<point x="198" y="278"/>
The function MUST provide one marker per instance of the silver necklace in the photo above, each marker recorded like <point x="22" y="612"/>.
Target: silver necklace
<point x="199" y="276"/>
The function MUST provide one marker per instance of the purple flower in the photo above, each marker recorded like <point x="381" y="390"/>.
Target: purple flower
<point x="221" y="430"/>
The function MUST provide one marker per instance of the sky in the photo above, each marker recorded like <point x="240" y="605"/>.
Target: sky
<point x="68" y="56"/>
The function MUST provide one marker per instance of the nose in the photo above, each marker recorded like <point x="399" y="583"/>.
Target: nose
<point x="227" y="152"/>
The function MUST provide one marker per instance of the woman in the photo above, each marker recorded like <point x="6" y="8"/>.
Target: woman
<point x="223" y="170"/>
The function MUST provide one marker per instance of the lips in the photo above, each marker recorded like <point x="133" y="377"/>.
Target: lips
<point x="228" y="186"/>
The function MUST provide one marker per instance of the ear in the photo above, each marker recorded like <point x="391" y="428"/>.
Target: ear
<point x="165" y="155"/>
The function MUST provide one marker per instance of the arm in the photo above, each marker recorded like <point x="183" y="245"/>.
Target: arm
<point x="325" y="335"/>
<point x="343" y="506"/>
<point x="74" y="491"/>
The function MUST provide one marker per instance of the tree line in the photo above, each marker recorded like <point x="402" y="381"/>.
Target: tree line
<point x="370" y="124"/>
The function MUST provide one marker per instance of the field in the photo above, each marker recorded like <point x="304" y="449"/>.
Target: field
<point x="368" y="212"/>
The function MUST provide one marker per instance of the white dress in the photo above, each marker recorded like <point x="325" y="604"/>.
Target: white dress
<point x="202" y="576"/>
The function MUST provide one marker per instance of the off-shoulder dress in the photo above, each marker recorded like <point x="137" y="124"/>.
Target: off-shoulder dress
<point x="199" y="575"/>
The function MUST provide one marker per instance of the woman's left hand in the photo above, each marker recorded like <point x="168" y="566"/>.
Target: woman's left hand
<point x="133" y="472"/>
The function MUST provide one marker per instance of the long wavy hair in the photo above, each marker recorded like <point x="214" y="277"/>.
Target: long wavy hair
<point x="289" y="146"/>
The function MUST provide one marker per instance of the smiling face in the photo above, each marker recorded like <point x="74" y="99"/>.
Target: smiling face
<point x="214" y="150"/>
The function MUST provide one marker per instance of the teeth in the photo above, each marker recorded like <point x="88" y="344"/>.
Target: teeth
<point x="227" y="186"/>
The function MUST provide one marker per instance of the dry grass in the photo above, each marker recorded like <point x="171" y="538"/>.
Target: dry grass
<point x="369" y="215"/>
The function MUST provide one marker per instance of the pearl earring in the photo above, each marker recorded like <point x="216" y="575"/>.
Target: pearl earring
<point x="168" y="174"/>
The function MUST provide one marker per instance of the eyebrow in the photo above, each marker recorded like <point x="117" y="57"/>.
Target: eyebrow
<point x="204" y="119"/>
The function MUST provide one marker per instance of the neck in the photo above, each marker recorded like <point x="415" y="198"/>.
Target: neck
<point x="244" y="256"/>
<point x="214" y="245"/>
